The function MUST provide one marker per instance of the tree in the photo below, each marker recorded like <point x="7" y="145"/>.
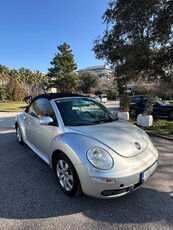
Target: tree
<point x="15" y="74"/>
<point x="4" y="74"/>
<point x="61" y="75"/>
<point x="26" y="76"/>
<point x="138" y="39"/>
<point x="38" y="82"/>
<point x="3" y="93"/>
<point x="15" y="92"/>
<point x="87" y="81"/>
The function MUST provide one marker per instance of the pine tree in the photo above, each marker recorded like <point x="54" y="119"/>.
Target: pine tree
<point x="61" y="75"/>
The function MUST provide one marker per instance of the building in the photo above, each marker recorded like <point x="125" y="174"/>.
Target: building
<point x="101" y="71"/>
<point x="104" y="73"/>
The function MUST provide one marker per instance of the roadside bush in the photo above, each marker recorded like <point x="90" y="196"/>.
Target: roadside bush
<point x="3" y="94"/>
<point x="112" y="95"/>
<point x="15" y="91"/>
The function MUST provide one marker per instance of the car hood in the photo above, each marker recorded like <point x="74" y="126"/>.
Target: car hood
<point x="122" y="137"/>
<point x="170" y="105"/>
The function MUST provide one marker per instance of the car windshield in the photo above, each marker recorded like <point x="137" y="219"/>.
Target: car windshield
<point x="83" y="111"/>
<point x="160" y="102"/>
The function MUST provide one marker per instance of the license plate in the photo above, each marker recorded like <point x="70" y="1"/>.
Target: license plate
<point x="144" y="176"/>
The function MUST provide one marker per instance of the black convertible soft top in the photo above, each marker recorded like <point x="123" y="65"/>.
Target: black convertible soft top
<point x="51" y="96"/>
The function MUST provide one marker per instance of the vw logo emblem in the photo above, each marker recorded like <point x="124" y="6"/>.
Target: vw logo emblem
<point x="138" y="146"/>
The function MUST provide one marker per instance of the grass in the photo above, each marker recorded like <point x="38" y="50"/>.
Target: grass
<point x="170" y="101"/>
<point x="162" y="127"/>
<point x="12" y="106"/>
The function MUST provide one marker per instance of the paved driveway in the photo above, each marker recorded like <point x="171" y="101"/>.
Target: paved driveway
<point x="31" y="199"/>
<point x="7" y="120"/>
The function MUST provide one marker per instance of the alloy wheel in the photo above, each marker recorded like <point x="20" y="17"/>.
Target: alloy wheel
<point x="19" y="135"/>
<point x="133" y="112"/>
<point x="65" y="175"/>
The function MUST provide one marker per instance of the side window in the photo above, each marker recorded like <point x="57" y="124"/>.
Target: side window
<point x="41" y="108"/>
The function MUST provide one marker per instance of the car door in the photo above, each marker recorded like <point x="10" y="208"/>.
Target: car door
<point x="39" y="136"/>
<point x="159" y="109"/>
<point x="140" y="106"/>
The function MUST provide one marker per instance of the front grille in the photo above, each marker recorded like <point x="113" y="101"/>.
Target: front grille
<point x="118" y="192"/>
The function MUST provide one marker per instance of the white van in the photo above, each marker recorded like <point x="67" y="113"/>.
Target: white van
<point x="103" y="97"/>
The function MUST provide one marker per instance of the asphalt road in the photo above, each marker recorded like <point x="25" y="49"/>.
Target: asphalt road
<point x="31" y="199"/>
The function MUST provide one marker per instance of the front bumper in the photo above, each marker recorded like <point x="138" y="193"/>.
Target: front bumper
<point x="106" y="188"/>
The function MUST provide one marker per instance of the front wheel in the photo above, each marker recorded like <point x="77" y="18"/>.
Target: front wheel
<point x="66" y="175"/>
<point x="19" y="135"/>
<point x="170" y="115"/>
<point x="133" y="112"/>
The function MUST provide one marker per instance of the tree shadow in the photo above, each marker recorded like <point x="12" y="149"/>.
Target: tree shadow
<point x="29" y="191"/>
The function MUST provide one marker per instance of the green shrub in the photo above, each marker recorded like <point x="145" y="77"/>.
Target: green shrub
<point x="15" y="91"/>
<point x="3" y="94"/>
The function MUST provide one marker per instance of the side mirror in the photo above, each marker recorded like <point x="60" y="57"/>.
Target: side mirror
<point x="45" y="120"/>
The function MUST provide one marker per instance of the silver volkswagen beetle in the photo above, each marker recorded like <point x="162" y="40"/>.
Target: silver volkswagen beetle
<point x="90" y="150"/>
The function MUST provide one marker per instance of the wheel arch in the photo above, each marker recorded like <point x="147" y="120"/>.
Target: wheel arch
<point x="16" y="124"/>
<point x="54" y="155"/>
<point x="74" y="146"/>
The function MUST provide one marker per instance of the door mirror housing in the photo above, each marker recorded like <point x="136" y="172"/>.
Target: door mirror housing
<point x="45" y="120"/>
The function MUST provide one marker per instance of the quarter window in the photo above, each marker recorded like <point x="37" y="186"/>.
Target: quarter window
<point x="41" y="108"/>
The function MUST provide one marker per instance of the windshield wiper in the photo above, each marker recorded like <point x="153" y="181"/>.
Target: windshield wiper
<point x="105" y="121"/>
<point x="80" y="124"/>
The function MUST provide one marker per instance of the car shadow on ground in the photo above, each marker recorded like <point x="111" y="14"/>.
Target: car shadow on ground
<point x="29" y="191"/>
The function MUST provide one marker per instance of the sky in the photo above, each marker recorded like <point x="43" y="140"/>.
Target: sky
<point x="31" y="30"/>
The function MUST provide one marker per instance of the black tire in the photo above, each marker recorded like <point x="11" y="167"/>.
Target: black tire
<point x="66" y="175"/>
<point x="170" y="115"/>
<point x="19" y="135"/>
<point x="133" y="112"/>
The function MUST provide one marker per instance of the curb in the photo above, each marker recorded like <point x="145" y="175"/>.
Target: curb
<point x="7" y="111"/>
<point x="159" y="135"/>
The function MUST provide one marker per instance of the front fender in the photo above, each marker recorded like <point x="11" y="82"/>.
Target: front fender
<point x="74" y="146"/>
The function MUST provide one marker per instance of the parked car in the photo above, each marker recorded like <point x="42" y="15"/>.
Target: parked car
<point x="93" y="96"/>
<point x="89" y="149"/>
<point x="136" y="98"/>
<point x="103" y="97"/>
<point x="28" y="99"/>
<point x="160" y="108"/>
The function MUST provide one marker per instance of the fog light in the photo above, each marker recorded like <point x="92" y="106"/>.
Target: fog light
<point x="103" y="180"/>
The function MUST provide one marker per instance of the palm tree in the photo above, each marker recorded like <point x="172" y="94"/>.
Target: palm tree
<point x="39" y="81"/>
<point x="15" y="74"/>
<point x="26" y="77"/>
<point x="4" y="75"/>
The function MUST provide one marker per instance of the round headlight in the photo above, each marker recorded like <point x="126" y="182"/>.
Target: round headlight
<point x="99" y="158"/>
